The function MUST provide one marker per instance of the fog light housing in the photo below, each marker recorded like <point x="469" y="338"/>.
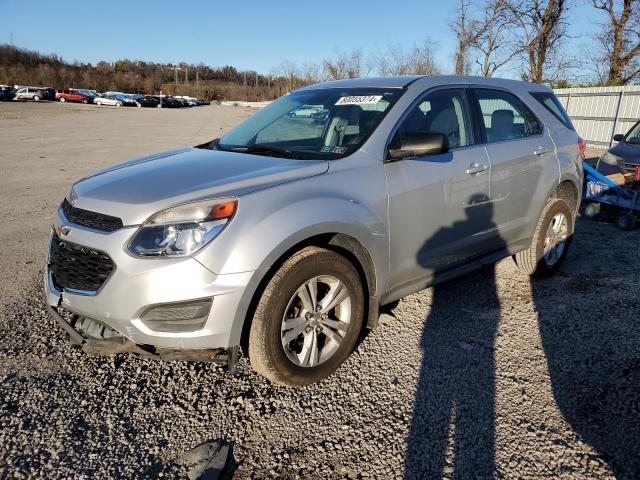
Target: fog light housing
<point x="178" y="317"/>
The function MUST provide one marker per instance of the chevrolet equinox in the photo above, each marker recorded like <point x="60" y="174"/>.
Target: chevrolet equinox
<point x="287" y="235"/>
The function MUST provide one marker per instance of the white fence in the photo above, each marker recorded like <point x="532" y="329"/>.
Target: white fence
<point x="599" y="113"/>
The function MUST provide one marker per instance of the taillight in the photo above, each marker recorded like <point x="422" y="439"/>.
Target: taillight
<point x="582" y="147"/>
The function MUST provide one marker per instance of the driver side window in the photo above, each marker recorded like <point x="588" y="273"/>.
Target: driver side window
<point x="445" y="112"/>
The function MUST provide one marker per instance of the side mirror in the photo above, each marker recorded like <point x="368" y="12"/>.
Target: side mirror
<point x="618" y="137"/>
<point x="418" y="144"/>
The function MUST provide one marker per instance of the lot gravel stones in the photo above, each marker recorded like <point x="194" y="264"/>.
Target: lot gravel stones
<point x="488" y="376"/>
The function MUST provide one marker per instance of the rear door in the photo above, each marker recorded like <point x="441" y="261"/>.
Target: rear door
<point x="519" y="150"/>
<point x="438" y="203"/>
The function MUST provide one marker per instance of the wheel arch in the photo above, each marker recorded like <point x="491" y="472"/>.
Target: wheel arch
<point x="345" y="244"/>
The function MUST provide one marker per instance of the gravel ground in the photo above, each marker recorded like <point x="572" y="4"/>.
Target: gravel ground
<point x="489" y="376"/>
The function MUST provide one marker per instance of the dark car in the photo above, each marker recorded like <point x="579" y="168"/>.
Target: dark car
<point x="320" y="117"/>
<point x="625" y="156"/>
<point x="170" y="102"/>
<point x="148" y="101"/>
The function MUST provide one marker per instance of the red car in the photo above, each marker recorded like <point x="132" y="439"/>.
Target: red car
<point x="72" y="96"/>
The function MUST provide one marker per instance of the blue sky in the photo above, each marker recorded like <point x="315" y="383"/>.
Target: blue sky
<point x="247" y="34"/>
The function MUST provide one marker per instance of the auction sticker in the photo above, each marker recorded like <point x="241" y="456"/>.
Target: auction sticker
<point x="359" y="100"/>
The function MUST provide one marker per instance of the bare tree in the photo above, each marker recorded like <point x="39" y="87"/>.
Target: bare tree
<point x="496" y="44"/>
<point x="620" y="40"/>
<point x="311" y="72"/>
<point x="468" y="31"/>
<point x="345" y="65"/>
<point x="395" y="60"/>
<point x="290" y="73"/>
<point x="542" y="25"/>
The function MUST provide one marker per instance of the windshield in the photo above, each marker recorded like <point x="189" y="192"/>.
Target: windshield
<point x="633" y="136"/>
<point x="324" y="123"/>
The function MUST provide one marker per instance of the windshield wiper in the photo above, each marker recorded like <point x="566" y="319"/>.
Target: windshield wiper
<point x="210" y="145"/>
<point x="281" y="152"/>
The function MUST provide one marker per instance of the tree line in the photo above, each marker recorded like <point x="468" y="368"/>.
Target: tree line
<point x="525" y="38"/>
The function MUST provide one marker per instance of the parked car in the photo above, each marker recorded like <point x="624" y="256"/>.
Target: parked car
<point x="148" y="101"/>
<point x="103" y="99"/>
<point x="28" y="93"/>
<point x="48" y="93"/>
<point x="305" y="111"/>
<point x="625" y="155"/>
<point x="170" y="102"/>
<point x="73" y="96"/>
<point x="286" y="238"/>
<point x="320" y="116"/>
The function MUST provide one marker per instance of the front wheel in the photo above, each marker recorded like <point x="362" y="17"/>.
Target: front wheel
<point x="62" y="99"/>
<point x="118" y="104"/>
<point x="36" y="98"/>
<point x="308" y="318"/>
<point x="551" y="240"/>
<point x="84" y="100"/>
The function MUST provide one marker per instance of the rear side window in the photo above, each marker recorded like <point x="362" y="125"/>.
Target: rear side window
<point x="551" y="103"/>
<point x="505" y="116"/>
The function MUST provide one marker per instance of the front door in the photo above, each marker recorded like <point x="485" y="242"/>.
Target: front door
<point x="439" y="208"/>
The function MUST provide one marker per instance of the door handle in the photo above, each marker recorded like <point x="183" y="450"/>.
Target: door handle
<point x="540" y="151"/>
<point x="475" y="168"/>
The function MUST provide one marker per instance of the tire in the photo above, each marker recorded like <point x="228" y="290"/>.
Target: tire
<point x="534" y="261"/>
<point x="99" y="103"/>
<point x="118" y="104"/>
<point x="62" y="99"/>
<point x="592" y="210"/>
<point x="84" y="100"/>
<point x="625" y="221"/>
<point x="36" y="98"/>
<point x="296" y="363"/>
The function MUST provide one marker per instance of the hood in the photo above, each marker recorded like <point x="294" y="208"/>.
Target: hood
<point x="136" y="189"/>
<point x="629" y="152"/>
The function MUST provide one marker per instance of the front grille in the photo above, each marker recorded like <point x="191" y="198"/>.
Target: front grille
<point x="77" y="267"/>
<point x="97" y="221"/>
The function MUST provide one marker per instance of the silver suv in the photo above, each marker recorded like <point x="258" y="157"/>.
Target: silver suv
<point x="288" y="234"/>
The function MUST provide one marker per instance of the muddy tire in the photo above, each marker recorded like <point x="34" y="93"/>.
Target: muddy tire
<point x="308" y="318"/>
<point x="550" y="242"/>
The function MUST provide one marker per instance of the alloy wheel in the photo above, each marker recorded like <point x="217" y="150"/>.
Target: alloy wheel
<point x="316" y="320"/>
<point x="556" y="239"/>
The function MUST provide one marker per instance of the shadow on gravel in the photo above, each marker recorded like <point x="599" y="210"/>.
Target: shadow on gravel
<point x="591" y="339"/>
<point x="455" y="396"/>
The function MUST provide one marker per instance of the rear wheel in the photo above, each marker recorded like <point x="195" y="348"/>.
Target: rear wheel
<point x="118" y="104"/>
<point x="626" y="220"/>
<point x="308" y="318"/>
<point x="550" y="243"/>
<point x="36" y="98"/>
<point x="98" y="103"/>
<point x="84" y="100"/>
<point x="62" y="99"/>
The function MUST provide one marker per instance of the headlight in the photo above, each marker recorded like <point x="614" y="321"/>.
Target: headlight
<point x="182" y="230"/>
<point x="610" y="159"/>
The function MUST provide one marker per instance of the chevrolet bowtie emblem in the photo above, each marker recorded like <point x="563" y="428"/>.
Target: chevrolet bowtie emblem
<point x="62" y="230"/>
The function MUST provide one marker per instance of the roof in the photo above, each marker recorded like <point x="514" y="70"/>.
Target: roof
<point x="404" y="81"/>
<point x="380" y="82"/>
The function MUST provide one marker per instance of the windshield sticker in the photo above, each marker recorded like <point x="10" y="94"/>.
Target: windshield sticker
<point x="330" y="149"/>
<point x="359" y="100"/>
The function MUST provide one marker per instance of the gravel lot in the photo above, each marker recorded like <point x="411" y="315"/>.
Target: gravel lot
<point x="489" y="376"/>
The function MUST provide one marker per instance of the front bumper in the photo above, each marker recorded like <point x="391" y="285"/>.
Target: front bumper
<point x="138" y="283"/>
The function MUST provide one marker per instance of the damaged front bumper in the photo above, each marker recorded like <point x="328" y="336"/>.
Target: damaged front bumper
<point x="109" y="342"/>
